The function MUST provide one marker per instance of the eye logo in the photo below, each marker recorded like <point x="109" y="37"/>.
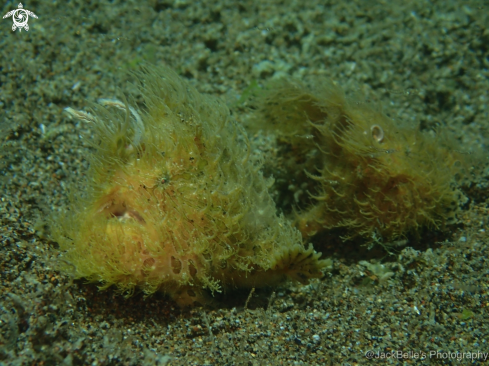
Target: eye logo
<point x="20" y="17"/>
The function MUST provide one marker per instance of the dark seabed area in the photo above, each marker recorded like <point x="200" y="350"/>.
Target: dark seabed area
<point x="426" y="62"/>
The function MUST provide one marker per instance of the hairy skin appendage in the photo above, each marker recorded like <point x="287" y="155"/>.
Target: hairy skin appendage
<point x="345" y="165"/>
<point x="172" y="201"/>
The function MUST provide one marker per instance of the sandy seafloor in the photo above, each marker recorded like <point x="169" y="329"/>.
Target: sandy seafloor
<point x="426" y="61"/>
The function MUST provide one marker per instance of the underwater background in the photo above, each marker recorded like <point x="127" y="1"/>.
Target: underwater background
<point x="423" y="299"/>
